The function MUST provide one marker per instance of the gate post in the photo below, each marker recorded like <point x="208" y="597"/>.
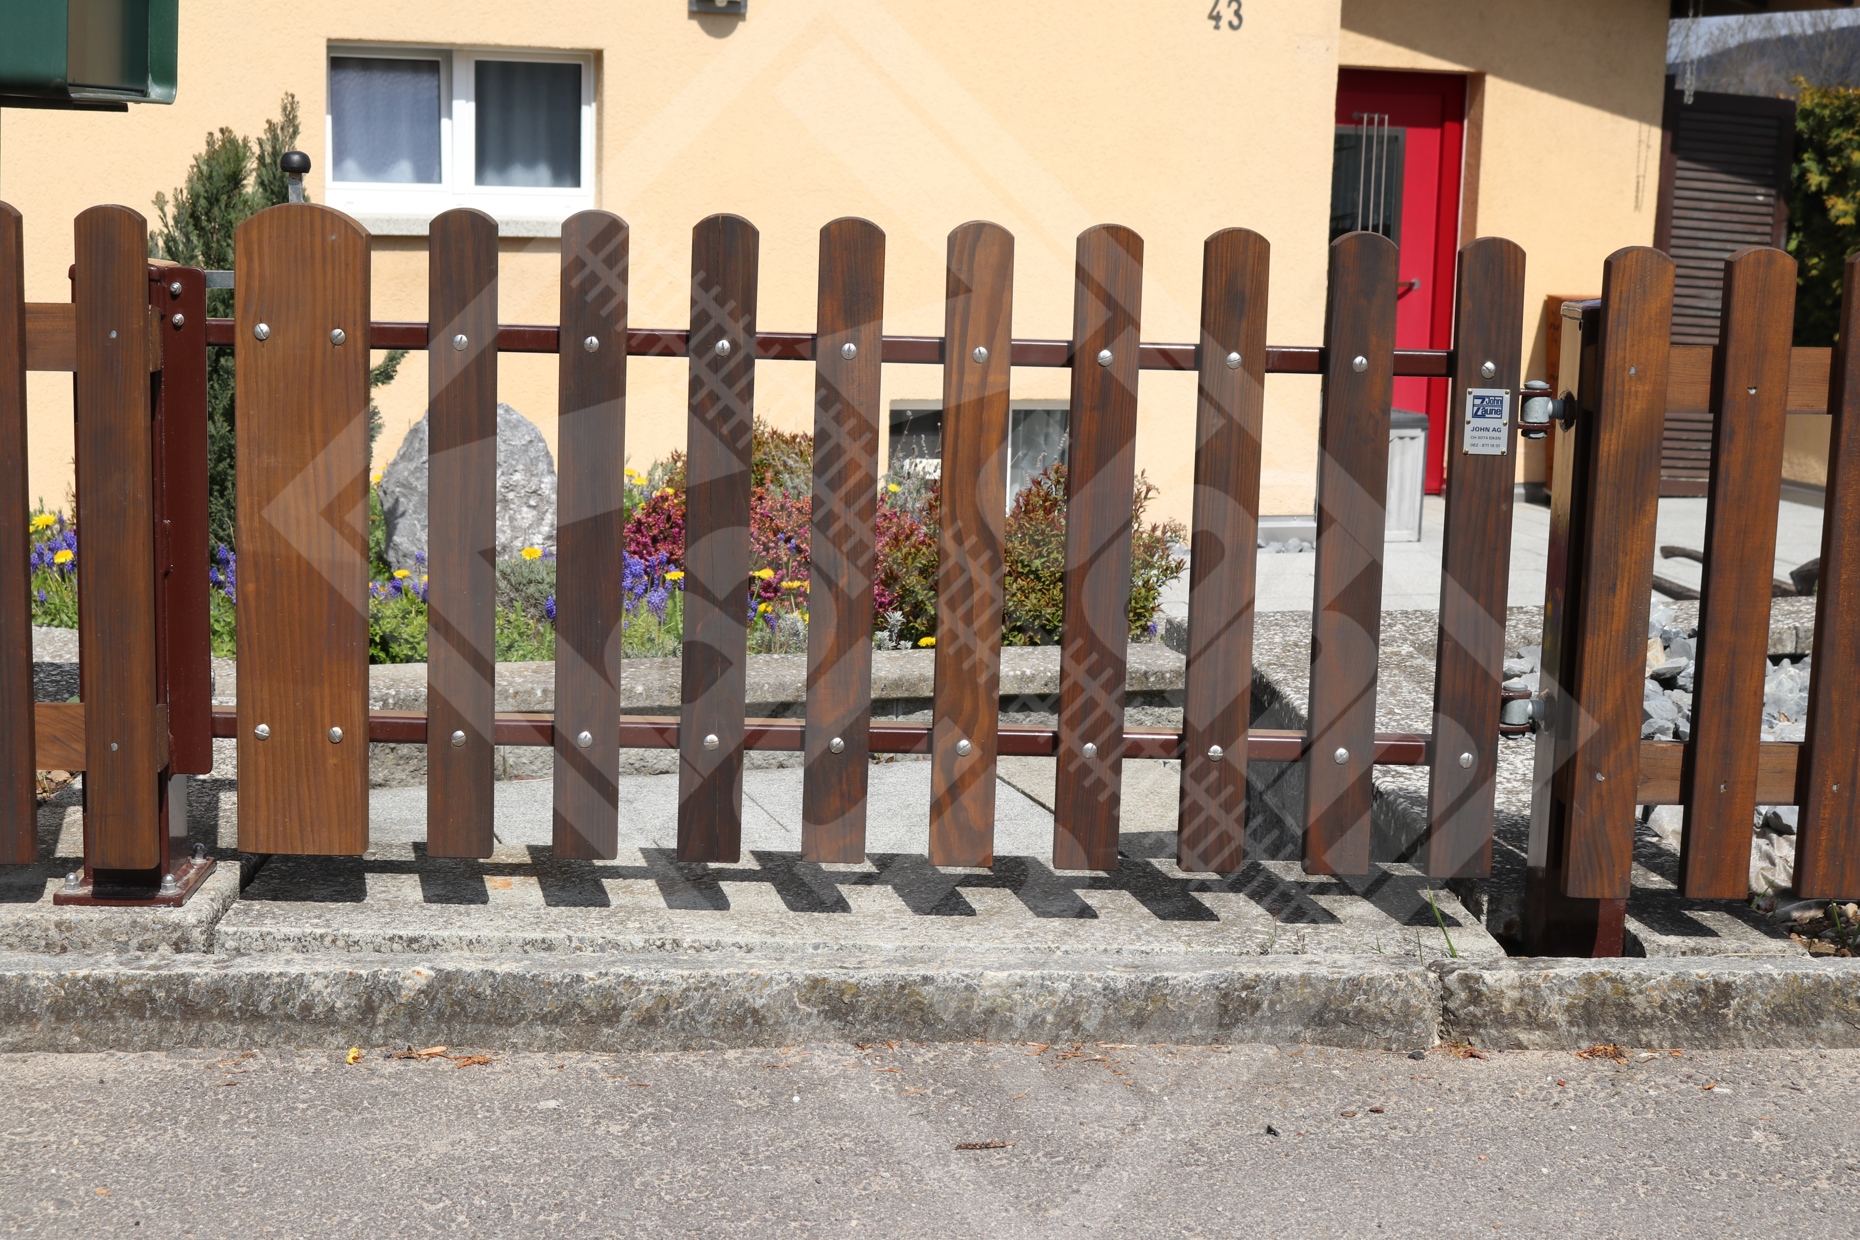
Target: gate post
<point x="1598" y="585"/>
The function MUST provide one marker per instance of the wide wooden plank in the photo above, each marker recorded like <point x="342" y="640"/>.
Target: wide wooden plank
<point x="1107" y="312"/>
<point x="1689" y="386"/>
<point x="461" y="468"/>
<point x="303" y="523"/>
<point x="971" y="582"/>
<point x="59" y="733"/>
<point x="178" y="296"/>
<point x="1346" y="613"/>
<point x="51" y="335"/>
<point x="724" y="265"/>
<point x="1475" y="564"/>
<point x="842" y="543"/>
<point x="1229" y="415"/>
<point x="1749" y="394"/>
<point x="1662" y="762"/>
<point x="590" y="535"/>
<point x="116" y="572"/>
<point x="1598" y="726"/>
<point x="19" y="836"/>
<point x="1827" y="856"/>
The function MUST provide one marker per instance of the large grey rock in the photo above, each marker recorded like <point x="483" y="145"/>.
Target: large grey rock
<point x="525" y="491"/>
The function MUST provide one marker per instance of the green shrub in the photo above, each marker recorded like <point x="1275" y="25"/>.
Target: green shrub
<point x="1824" y="205"/>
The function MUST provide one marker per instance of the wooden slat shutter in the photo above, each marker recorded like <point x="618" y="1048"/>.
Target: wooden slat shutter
<point x="1724" y="172"/>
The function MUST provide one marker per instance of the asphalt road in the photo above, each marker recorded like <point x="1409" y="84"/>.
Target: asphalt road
<point x="840" y="1140"/>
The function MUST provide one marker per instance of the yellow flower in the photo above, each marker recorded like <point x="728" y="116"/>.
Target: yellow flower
<point x="677" y="574"/>
<point x="763" y="609"/>
<point x="354" y="1055"/>
<point x="532" y="553"/>
<point x="892" y="487"/>
<point x="665" y="491"/>
<point x="632" y="473"/>
<point x="763" y="574"/>
<point x="926" y="641"/>
<point x="794" y="585"/>
<point x="64" y="557"/>
<point x="44" y="521"/>
<point x="402" y="573"/>
<point x="375" y="477"/>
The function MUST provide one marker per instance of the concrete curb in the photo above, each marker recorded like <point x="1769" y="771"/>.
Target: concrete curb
<point x="655" y="1002"/>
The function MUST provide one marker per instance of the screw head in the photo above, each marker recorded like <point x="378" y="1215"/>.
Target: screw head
<point x="1089" y="750"/>
<point x="168" y="885"/>
<point x="964" y="749"/>
<point x="179" y="321"/>
<point x="836" y="745"/>
<point x="458" y="739"/>
<point x="335" y="736"/>
<point x="980" y="354"/>
<point x="260" y="331"/>
<point x="711" y="741"/>
<point x="1216" y="753"/>
<point x="592" y="344"/>
<point x="584" y="739"/>
<point x="723" y="348"/>
<point x="1341" y="756"/>
<point x="337" y="335"/>
<point x="1466" y="761"/>
<point x="112" y="746"/>
<point x="73" y="881"/>
<point x="174" y="288"/>
<point x="1599" y="777"/>
<point x="1104" y="357"/>
<point x="262" y="731"/>
<point x="1359" y="363"/>
<point x="1233" y="361"/>
<point x="849" y="350"/>
<point x="1487" y="370"/>
<point x="459" y="342"/>
<point x="200" y="853"/>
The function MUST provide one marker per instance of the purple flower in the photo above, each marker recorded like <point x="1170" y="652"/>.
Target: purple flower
<point x="41" y="596"/>
<point x="549" y="608"/>
<point x="656" y="599"/>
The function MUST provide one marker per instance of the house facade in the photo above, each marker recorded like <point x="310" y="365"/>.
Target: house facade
<point x="1433" y="120"/>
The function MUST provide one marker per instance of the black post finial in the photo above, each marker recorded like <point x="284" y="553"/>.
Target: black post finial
<point x="295" y="164"/>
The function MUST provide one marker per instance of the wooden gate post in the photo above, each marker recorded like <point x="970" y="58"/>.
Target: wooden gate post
<point x="1597" y="588"/>
<point x="19" y="833"/>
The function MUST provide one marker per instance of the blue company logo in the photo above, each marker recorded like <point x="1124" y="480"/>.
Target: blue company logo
<point x="1486" y="407"/>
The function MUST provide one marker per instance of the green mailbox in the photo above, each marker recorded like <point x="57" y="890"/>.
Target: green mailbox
<point x="89" y="54"/>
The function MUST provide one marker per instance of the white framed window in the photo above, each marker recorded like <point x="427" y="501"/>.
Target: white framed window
<point x="412" y="132"/>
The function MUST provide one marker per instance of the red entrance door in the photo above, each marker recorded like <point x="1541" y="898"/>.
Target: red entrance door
<point x="1416" y="119"/>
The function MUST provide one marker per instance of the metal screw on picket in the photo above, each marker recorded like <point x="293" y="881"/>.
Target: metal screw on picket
<point x="459" y="342"/>
<point x="458" y="739"/>
<point x="1341" y="756"/>
<point x="261" y="331"/>
<point x="168" y="886"/>
<point x="836" y="745"/>
<point x="174" y="289"/>
<point x="592" y="344"/>
<point x="335" y="736"/>
<point x="1233" y="361"/>
<point x="1359" y="364"/>
<point x="1104" y="357"/>
<point x="336" y="334"/>
<point x="112" y="746"/>
<point x="1599" y="777"/>
<point x="262" y="731"/>
<point x="1466" y="761"/>
<point x="584" y="739"/>
<point x="723" y="348"/>
<point x="179" y="321"/>
<point x="1488" y="370"/>
<point x="1090" y="750"/>
<point x="1216" y="753"/>
<point x="980" y="354"/>
<point x="849" y="350"/>
<point x="964" y="749"/>
<point x="711" y="741"/>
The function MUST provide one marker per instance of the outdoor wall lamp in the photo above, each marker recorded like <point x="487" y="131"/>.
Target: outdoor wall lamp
<point x="737" y="8"/>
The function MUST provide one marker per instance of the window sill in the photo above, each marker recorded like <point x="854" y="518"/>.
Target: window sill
<point x="421" y="225"/>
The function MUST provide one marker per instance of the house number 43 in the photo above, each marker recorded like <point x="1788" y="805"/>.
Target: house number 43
<point x="1225" y="15"/>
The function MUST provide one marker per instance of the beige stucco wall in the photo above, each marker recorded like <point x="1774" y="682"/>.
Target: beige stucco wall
<point x="921" y="114"/>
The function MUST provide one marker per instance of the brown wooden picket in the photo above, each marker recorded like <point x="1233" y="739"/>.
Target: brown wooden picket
<point x="1750" y="389"/>
<point x="1475" y="566"/>
<point x="842" y="546"/>
<point x="301" y="325"/>
<point x="19" y="835"/>
<point x="971" y="581"/>
<point x="1346" y="610"/>
<point x="1100" y="469"/>
<point x="590" y="535"/>
<point x="1217" y="691"/>
<point x="1828" y="831"/>
<point x="724" y="258"/>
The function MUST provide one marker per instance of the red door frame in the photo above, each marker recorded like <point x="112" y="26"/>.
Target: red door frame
<point x="1432" y="108"/>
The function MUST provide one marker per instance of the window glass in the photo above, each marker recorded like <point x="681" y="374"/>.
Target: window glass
<point x="529" y="123"/>
<point x="385" y="115"/>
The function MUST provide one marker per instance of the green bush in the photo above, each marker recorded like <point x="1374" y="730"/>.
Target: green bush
<point x="1824" y="205"/>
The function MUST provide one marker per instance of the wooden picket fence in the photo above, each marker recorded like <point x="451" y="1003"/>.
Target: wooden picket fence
<point x="136" y="334"/>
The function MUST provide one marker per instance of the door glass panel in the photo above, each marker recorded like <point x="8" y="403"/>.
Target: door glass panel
<point x="1365" y="177"/>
